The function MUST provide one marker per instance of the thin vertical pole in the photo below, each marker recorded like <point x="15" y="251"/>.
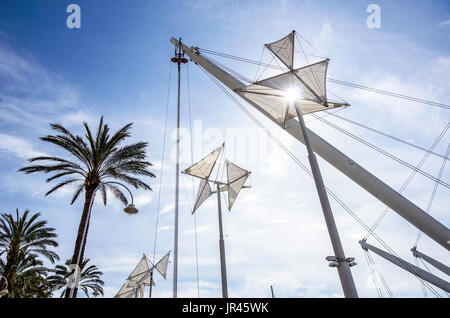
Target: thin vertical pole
<point x="345" y="275"/>
<point x="223" y="266"/>
<point x="271" y="290"/>
<point x="177" y="180"/>
<point x="179" y="59"/>
<point x="151" y="285"/>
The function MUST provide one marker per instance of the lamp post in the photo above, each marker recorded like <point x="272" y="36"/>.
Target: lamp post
<point x="129" y="209"/>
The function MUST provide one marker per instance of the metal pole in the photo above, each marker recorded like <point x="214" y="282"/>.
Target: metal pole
<point x="151" y="285"/>
<point x="345" y="275"/>
<point x="271" y="290"/>
<point x="223" y="265"/>
<point x="380" y="190"/>
<point x="432" y="279"/>
<point x="129" y="191"/>
<point x="177" y="180"/>
<point x="442" y="267"/>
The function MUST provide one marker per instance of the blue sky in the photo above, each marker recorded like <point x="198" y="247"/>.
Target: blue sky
<point x="117" y="65"/>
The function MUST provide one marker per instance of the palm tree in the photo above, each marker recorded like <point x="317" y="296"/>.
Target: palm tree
<point x="30" y="280"/>
<point x="89" y="278"/>
<point x="97" y="161"/>
<point x="23" y="239"/>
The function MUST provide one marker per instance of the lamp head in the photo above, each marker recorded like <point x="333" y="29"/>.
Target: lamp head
<point x="131" y="209"/>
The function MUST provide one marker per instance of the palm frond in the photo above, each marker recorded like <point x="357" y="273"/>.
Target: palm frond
<point x="66" y="182"/>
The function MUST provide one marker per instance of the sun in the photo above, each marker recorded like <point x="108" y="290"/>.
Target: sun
<point x="291" y="94"/>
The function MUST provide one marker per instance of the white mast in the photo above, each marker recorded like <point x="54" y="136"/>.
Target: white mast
<point x="432" y="279"/>
<point x="179" y="59"/>
<point x="223" y="265"/>
<point x="394" y="200"/>
<point x="345" y="275"/>
<point x="442" y="267"/>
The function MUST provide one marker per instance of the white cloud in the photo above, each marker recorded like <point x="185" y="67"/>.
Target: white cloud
<point x="32" y="95"/>
<point x="143" y="200"/>
<point x="78" y="117"/>
<point x="17" y="146"/>
<point x="326" y="33"/>
<point x="445" y="23"/>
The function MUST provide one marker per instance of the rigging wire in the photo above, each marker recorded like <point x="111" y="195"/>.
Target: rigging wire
<point x="327" y="113"/>
<point x="421" y="281"/>
<point x="386" y="135"/>
<point x="392" y="94"/>
<point x="429" y="270"/>
<point x="303" y="166"/>
<point x="260" y="59"/>
<point x="335" y="81"/>
<point x="193" y="188"/>
<point x="321" y="89"/>
<point x="372" y="273"/>
<point x="379" y="274"/>
<point x="162" y="165"/>
<point x="410" y="177"/>
<point x="433" y="194"/>
<point x="241" y="59"/>
<point x="229" y="70"/>
<point x="383" y="281"/>
<point x="384" y="152"/>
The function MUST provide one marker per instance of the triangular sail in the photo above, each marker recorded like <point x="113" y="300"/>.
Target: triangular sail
<point x="147" y="279"/>
<point x="308" y="82"/>
<point x="204" y="167"/>
<point x="274" y="103"/>
<point x="204" y="191"/>
<point x="161" y="266"/>
<point x="284" y="49"/>
<point x="126" y="291"/>
<point x="236" y="177"/>
<point x="234" y="172"/>
<point x="140" y="270"/>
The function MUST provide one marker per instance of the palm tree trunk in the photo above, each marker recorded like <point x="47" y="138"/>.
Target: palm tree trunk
<point x="78" y="247"/>
<point x="8" y="272"/>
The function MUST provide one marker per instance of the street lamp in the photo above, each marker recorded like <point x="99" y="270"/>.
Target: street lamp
<point x="129" y="209"/>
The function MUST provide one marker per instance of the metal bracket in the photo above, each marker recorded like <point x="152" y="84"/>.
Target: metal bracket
<point x="336" y="262"/>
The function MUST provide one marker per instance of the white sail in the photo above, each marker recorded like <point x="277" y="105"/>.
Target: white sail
<point x="147" y="279"/>
<point x="204" y="167"/>
<point x="140" y="270"/>
<point x="309" y="82"/>
<point x="275" y="104"/>
<point x="204" y="191"/>
<point x="236" y="177"/>
<point x="284" y="49"/>
<point x="126" y="291"/>
<point x="161" y="266"/>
